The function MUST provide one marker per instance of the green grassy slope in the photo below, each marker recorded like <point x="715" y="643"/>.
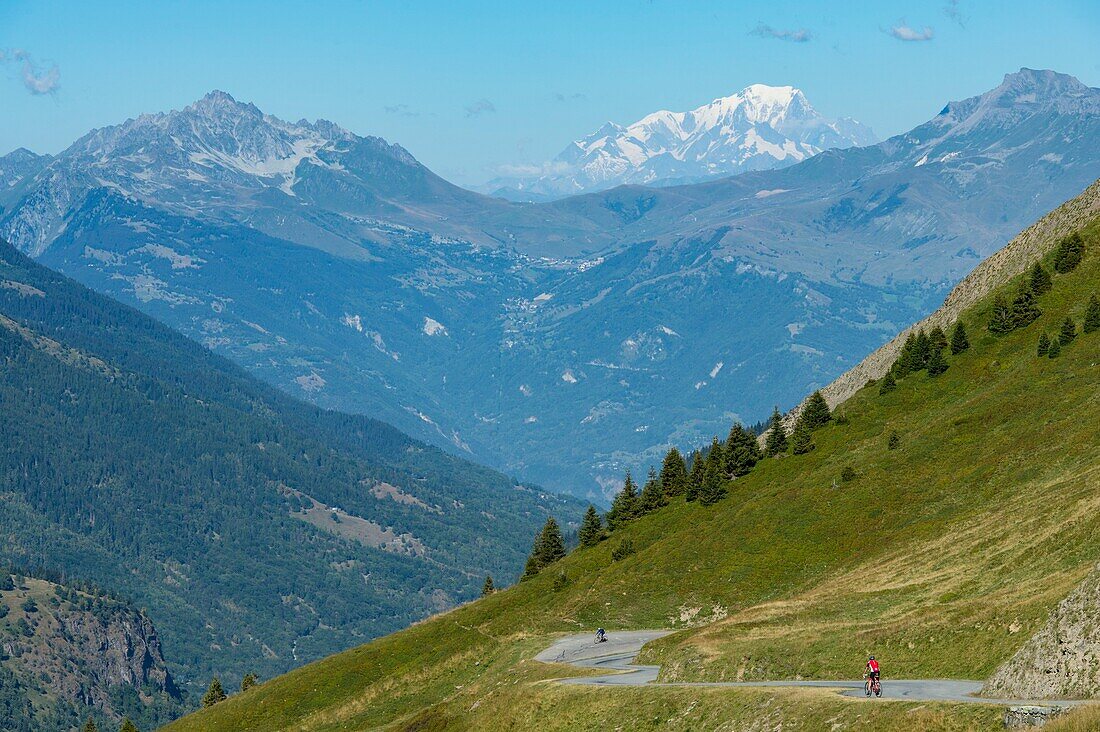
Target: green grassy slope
<point x="942" y="556"/>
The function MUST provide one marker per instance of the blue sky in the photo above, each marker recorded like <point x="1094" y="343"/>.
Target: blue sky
<point x="470" y="87"/>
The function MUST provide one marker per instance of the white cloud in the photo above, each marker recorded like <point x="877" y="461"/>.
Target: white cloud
<point x="800" y="35"/>
<point x="481" y="106"/>
<point x="37" y="79"/>
<point x="904" y="33"/>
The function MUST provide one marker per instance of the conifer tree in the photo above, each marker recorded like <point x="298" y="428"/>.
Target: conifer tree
<point x="90" y="726"/>
<point x="548" y="548"/>
<point x="716" y="454"/>
<point x="1092" y="315"/>
<point x="214" y="693"/>
<point x="777" y="436"/>
<point x="894" y="442"/>
<point x="653" y="494"/>
<point x="249" y="680"/>
<point x="1039" y="279"/>
<point x="1069" y="252"/>
<point x="904" y="364"/>
<point x="1044" y="344"/>
<point x="1001" y="320"/>
<point x="1068" y="332"/>
<point x="801" y="439"/>
<point x="624" y="507"/>
<point x="937" y="364"/>
<point x="127" y="726"/>
<point x="742" y="451"/>
<point x="959" y="341"/>
<point x="938" y="339"/>
<point x="1024" y="309"/>
<point x="922" y="352"/>
<point x="695" y="478"/>
<point x="1055" y="348"/>
<point x="888" y="383"/>
<point x="486" y="589"/>
<point x="714" y="487"/>
<point x="674" y="475"/>
<point x="816" y="413"/>
<point x="591" y="531"/>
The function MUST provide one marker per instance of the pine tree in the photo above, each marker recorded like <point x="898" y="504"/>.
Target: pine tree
<point x="1024" y="309"/>
<point x="894" y="442"/>
<point x="89" y="726"/>
<point x="1055" y="348"/>
<point x="1044" y="344"/>
<point x="548" y="548"/>
<point x="486" y="589"/>
<point x="742" y="451"/>
<point x="624" y="507"/>
<point x="959" y="341"/>
<point x="922" y="352"/>
<point x="1039" y="279"/>
<point x="937" y="364"/>
<point x="801" y="439"/>
<point x="591" y="531"/>
<point x="695" y="478"/>
<point x="716" y="454"/>
<point x="816" y="412"/>
<point x="214" y="693"/>
<point x="1068" y="331"/>
<point x="674" y="475"/>
<point x="903" y="366"/>
<point x="249" y="680"/>
<point x="888" y="383"/>
<point x="1069" y="252"/>
<point x="1092" y="315"/>
<point x="777" y="436"/>
<point x="127" y="726"/>
<point x="653" y="494"/>
<point x="553" y="543"/>
<point x="1001" y="320"/>
<point x="938" y="339"/>
<point x="714" y="487"/>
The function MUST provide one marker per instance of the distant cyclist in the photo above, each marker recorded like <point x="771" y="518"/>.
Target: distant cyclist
<point x="872" y="673"/>
<point x="601" y="635"/>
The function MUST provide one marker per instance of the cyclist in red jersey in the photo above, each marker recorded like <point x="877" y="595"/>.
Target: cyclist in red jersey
<point x="872" y="673"/>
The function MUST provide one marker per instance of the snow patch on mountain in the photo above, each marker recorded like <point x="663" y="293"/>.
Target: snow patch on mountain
<point x="433" y="327"/>
<point x="758" y="128"/>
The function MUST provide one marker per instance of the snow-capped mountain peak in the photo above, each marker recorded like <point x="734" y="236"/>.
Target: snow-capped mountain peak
<point x="758" y="128"/>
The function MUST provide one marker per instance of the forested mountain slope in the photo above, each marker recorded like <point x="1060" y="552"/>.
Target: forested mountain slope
<point x="936" y="521"/>
<point x="258" y="531"/>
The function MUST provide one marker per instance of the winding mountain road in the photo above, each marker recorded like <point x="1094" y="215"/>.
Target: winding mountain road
<point x="616" y="656"/>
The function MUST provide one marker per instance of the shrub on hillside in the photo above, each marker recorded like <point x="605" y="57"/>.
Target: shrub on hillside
<point x="623" y="550"/>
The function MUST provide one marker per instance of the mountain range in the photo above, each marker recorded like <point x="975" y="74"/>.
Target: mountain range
<point x="561" y="342"/>
<point x="256" y="531"/>
<point x="759" y="128"/>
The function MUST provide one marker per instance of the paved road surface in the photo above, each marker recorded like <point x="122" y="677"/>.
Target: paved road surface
<point x="616" y="656"/>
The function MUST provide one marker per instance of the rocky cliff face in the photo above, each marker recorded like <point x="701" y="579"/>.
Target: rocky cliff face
<point x="89" y="653"/>
<point x="1063" y="659"/>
